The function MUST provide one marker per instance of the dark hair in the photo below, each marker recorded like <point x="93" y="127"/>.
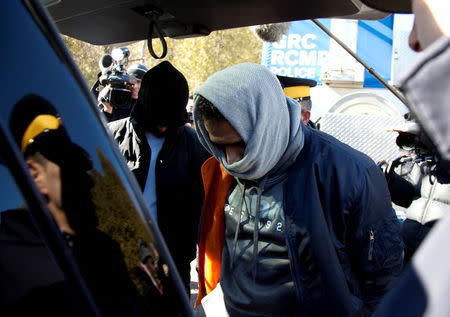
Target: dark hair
<point x="25" y="111"/>
<point x="207" y="110"/>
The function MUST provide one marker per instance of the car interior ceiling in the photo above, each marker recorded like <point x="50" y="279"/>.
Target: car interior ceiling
<point x="102" y="22"/>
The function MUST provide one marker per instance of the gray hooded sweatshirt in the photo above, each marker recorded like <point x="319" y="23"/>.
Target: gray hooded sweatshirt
<point x="255" y="276"/>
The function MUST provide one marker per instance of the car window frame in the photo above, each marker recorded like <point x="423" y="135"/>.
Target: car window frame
<point x="14" y="162"/>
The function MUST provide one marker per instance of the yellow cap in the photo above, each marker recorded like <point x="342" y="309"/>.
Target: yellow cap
<point x="295" y="87"/>
<point x="37" y="126"/>
<point x="297" y="91"/>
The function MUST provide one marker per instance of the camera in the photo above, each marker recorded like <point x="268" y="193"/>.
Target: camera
<point x="114" y="74"/>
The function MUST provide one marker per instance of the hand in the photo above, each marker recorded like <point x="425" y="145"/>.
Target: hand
<point x="383" y="165"/>
<point x="102" y="99"/>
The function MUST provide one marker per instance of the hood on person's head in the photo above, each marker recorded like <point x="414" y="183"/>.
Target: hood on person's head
<point x="250" y="97"/>
<point x="162" y="98"/>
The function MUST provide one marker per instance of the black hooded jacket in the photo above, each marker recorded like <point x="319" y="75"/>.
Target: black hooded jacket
<point x="179" y="187"/>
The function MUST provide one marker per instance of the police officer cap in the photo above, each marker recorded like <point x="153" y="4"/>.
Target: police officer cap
<point x="37" y="127"/>
<point x="400" y="6"/>
<point x="294" y="87"/>
<point x="137" y="70"/>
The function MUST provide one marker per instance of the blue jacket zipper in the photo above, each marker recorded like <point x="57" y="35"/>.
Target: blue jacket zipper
<point x="371" y="241"/>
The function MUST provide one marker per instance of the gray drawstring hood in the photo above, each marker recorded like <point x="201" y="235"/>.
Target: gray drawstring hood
<point x="259" y="189"/>
<point x="250" y="97"/>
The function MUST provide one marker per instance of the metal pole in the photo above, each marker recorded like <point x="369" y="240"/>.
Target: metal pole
<point x="369" y="69"/>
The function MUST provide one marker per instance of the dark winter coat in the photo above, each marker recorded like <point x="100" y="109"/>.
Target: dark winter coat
<point x="343" y="237"/>
<point x="179" y="189"/>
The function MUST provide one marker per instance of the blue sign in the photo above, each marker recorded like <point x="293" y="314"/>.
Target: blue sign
<point x="306" y="49"/>
<point x="374" y="46"/>
<point x="301" y="53"/>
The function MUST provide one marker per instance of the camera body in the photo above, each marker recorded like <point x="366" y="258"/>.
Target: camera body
<point x="114" y="74"/>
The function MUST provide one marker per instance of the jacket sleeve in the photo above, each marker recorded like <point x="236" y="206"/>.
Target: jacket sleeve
<point x="378" y="246"/>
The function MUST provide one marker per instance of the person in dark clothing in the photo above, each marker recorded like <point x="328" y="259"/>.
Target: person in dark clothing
<point x="424" y="288"/>
<point x="295" y="223"/>
<point x="30" y="279"/>
<point x="165" y="156"/>
<point x="418" y="182"/>
<point x="60" y="169"/>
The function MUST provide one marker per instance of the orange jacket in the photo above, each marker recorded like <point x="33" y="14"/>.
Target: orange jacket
<point x="217" y="183"/>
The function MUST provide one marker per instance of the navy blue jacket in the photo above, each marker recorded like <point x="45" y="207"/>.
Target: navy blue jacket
<point x="343" y="236"/>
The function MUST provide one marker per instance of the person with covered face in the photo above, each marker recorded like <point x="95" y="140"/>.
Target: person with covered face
<point x="165" y="156"/>
<point x="295" y="223"/>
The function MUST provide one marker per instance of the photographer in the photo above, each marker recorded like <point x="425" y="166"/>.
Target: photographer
<point x="112" y="113"/>
<point x="418" y="182"/>
<point x="137" y="70"/>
